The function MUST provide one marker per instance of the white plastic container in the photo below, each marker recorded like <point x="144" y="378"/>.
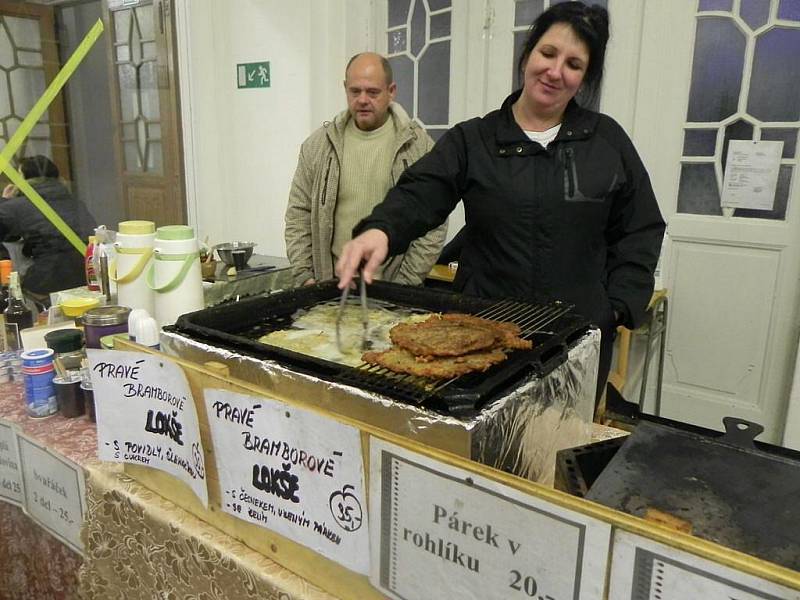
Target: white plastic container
<point x="134" y="250"/>
<point x="174" y="275"/>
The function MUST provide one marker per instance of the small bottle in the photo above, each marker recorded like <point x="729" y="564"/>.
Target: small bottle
<point x="17" y="314"/>
<point x="90" y="265"/>
<point x="5" y="277"/>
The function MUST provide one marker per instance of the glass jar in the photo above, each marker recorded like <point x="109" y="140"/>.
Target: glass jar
<point x="68" y="346"/>
<point x="103" y="321"/>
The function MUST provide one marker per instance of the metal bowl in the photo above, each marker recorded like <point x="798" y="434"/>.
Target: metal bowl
<point x="235" y="254"/>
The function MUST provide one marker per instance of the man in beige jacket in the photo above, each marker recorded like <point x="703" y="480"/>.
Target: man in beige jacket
<point x="345" y="169"/>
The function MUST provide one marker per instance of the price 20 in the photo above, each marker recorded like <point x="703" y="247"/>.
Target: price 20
<point x="526" y="584"/>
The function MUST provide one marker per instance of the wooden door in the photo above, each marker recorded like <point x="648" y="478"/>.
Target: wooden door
<point x="145" y="104"/>
<point x="711" y="72"/>
<point x="28" y="63"/>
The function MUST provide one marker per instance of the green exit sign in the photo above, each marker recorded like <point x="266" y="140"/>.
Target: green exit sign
<point x="252" y="75"/>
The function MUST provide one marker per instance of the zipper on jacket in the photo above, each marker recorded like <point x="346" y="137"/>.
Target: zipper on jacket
<point x="569" y="175"/>
<point x="327" y="174"/>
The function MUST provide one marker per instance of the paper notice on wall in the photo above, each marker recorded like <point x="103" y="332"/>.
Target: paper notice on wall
<point x="292" y="471"/>
<point x="55" y="492"/>
<point x="751" y="174"/>
<point x="146" y="415"/>
<point x="443" y="532"/>
<point x="642" y="569"/>
<point x="10" y="474"/>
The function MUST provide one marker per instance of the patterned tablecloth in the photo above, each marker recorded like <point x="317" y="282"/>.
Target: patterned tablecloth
<point x="33" y="564"/>
<point x="137" y="544"/>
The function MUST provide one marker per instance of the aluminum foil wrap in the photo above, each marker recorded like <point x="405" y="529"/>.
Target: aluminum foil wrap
<point x="519" y="432"/>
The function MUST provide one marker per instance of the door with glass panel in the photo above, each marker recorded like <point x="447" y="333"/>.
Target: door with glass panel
<point x="28" y="63"/>
<point x="713" y="71"/>
<point x="145" y="110"/>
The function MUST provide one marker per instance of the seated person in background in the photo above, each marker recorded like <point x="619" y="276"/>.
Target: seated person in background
<point x="345" y="169"/>
<point x="57" y="265"/>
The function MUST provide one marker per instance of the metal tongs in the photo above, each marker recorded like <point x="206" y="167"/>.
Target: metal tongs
<point x="362" y="292"/>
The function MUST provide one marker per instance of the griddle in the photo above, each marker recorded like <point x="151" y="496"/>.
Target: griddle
<point x="732" y="490"/>
<point x="554" y="328"/>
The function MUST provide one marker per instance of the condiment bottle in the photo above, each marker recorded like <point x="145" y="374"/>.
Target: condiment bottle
<point x="5" y="277"/>
<point x="17" y="314"/>
<point x="90" y="264"/>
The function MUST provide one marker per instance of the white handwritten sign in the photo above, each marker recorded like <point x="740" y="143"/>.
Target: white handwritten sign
<point x="642" y="569"/>
<point x="293" y="472"/>
<point x="54" y="491"/>
<point x="751" y="174"/>
<point x="443" y="532"/>
<point x="146" y="415"/>
<point x="10" y="476"/>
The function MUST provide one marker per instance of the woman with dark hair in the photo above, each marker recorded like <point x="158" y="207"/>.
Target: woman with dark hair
<point x="57" y="265"/>
<point x="557" y="202"/>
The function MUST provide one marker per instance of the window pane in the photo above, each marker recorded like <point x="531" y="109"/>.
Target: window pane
<point x="439" y="4"/>
<point x="715" y="5"/>
<point x="6" y="49"/>
<point x="29" y="59"/>
<point x="122" y="23"/>
<point x="789" y="10"/>
<point x="717" y="70"/>
<point x="418" y="25"/>
<point x="434" y="84"/>
<point x="403" y="70"/>
<point x="27" y="86"/>
<point x="440" y="25"/>
<point x="5" y="98"/>
<point x="781" y="199"/>
<point x="24" y="32"/>
<point x="740" y="130"/>
<point x="154" y="157"/>
<point x="123" y="53"/>
<point x="132" y="161"/>
<point x="396" y="41"/>
<point x="698" y="193"/>
<point x="436" y="133"/>
<point x="144" y="20"/>
<point x="525" y="11"/>
<point x="754" y="12"/>
<point x="398" y="12"/>
<point x="776" y="72"/>
<point x="699" y="142"/>
<point x="787" y="136"/>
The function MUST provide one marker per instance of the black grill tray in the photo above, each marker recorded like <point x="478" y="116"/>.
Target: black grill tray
<point x="237" y="326"/>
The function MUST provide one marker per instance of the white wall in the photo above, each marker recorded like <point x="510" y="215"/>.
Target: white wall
<point x="241" y="146"/>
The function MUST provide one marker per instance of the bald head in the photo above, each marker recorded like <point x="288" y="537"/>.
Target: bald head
<point x="370" y="58"/>
<point x="370" y="90"/>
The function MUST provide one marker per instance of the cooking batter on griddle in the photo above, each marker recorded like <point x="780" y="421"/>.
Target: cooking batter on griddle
<point x="557" y="200"/>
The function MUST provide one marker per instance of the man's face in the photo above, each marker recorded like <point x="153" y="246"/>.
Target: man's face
<point x="368" y="96"/>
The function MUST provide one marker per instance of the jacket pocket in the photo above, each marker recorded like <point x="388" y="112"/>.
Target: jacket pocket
<point x="572" y="184"/>
<point x="325" y="184"/>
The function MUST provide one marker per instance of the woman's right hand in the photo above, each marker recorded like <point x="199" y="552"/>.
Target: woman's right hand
<point x="369" y="248"/>
<point x="10" y="191"/>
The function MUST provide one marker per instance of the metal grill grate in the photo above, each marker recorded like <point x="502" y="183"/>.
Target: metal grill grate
<point x="553" y="327"/>
<point x="531" y="319"/>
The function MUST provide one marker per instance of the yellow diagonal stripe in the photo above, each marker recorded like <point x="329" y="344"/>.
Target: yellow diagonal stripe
<point x="46" y="210"/>
<point x="30" y="122"/>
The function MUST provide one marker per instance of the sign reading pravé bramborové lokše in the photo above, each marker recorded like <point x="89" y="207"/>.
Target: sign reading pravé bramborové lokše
<point x="443" y="532"/>
<point x="146" y="415"/>
<point x="292" y="471"/>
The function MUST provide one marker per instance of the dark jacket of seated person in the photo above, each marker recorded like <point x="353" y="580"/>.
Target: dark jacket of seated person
<point x="57" y="265"/>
